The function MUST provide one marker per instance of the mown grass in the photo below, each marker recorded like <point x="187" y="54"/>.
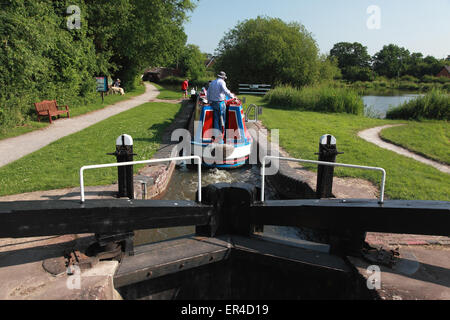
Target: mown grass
<point x="74" y="112"/>
<point x="406" y="178"/>
<point x="433" y="105"/>
<point x="321" y="98"/>
<point x="430" y="139"/>
<point x="168" y="92"/>
<point x="57" y="165"/>
<point x="29" y="126"/>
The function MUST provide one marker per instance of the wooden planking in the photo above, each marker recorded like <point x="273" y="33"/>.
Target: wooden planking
<point x="47" y="218"/>
<point x="170" y="257"/>
<point x="160" y="259"/>
<point x="394" y="216"/>
<point x="284" y="253"/>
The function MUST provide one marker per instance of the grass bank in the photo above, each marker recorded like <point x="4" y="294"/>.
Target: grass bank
<point x="406" y="178"/>
<point x="31" y="125"/>
<point x="57" y="165"/>
<point x="168" y="92"/>
<point x="430" y="139"/>
<point x="322" y="98"/>
<point x="433" y="105"/>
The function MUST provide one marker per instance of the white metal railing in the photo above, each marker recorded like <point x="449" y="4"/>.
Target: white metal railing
<point x="249" y="109"/>
<point x="123" y="164"/>
<point x="259" y="89"/>
<point x="330" y="164"/>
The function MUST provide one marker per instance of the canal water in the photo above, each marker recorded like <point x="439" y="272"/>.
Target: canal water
<point x="381" y="104"/>
<point x="183" y="186"/>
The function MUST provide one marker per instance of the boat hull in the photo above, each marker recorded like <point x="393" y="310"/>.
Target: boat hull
<point x="234" y="147"/>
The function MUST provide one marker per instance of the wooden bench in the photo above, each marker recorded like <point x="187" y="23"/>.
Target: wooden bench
<point x="50" y="109"/>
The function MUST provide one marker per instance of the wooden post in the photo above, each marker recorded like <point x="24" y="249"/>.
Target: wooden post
<point x="327" y="153"/>
<point x="124" y="153"/>
<point x="232" y="214"/>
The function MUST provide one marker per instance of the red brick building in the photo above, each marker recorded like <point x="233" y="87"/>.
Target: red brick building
<point x="445" y="72"/>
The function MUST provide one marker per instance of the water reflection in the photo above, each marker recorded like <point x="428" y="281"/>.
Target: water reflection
<point x="381" y="104"/>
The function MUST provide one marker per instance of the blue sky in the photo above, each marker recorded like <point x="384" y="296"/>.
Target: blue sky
<point x="418" y="25"/>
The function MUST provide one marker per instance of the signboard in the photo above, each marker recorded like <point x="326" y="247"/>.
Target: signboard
<point x="102" y="84"/>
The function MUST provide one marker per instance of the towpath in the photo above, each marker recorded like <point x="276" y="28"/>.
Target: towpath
<point x="373" y="136"/>
<point x="15" y="148"/>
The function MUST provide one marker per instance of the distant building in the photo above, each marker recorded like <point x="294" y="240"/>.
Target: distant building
<point x="158" y="73"/>
<point x="445" y="72"/>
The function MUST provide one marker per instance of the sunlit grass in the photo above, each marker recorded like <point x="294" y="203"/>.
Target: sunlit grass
<point x="429" y="138"/>
<point x="57" y="165"/>
<point x="168" y="92"/>
<point x="406" y="178"/>
<point x="74" y="112"/>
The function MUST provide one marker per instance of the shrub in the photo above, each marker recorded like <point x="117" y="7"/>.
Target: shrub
<point x="409" y="78"/>
<point x="446" y="86"/>
<point x="434" y="105"/>
<point x="406" y="85"/>
<point x="427" y="87"/>
<point x="382" y="84"/>
<point x="177" y="81"/>
<point x="432" y="79"/>
<point x="316" y="98"/>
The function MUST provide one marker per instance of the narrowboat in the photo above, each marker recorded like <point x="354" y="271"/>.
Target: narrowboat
<point x="232" y="149"/>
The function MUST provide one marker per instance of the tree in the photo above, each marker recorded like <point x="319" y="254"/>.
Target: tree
<point x="268" y="50"/>
<point x="432" y="66"/>
<point x="391" y="61"/>
<point x="329" y="69"/>
<point x="41" y="58"/>
<point x="353" y="60"/>
<point x="134" y="34"/>
<point x="192" y="62"/>
<point x="45" y="62"/>
<point x="416" y="65"/>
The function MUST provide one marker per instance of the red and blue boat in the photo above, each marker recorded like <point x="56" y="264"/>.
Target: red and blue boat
<point x="233" y="148"/>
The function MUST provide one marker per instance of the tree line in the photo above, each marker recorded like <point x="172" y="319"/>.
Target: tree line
<point x="42" y="58"/>
<point x="270" y="50"/>
<point x="391" y="61"/>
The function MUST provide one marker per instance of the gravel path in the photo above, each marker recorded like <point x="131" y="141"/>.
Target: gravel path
<point x="15" y="148"/>
<point x="373" y="136"/>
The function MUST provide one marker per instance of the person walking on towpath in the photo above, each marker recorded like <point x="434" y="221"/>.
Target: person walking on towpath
<point x="184" y="88"/>
<point x="217" y="93"/>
